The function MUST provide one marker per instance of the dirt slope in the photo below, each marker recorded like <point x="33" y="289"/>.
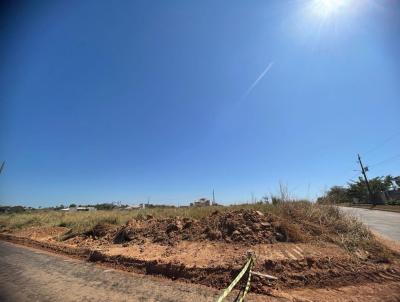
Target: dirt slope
<point x="212" y="250"/>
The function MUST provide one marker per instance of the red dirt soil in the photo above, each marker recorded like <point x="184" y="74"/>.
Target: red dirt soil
<point x="250" y="227"/>
<point x="211" y="251"/>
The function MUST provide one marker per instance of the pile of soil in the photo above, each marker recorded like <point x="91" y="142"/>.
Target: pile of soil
<point x="249" y="226"/>
<point x="101" y="230"/>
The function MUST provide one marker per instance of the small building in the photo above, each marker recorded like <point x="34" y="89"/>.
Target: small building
<point x="391" y="195"/>
<point x="70" y="209"/>
<point x="133" y="207"/>
<point x="86" y="209"/>
<point x="79" y="209"/>
<point x="202" y="202"/>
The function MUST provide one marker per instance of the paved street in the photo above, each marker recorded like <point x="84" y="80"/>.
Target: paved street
<point x="28" y="275"/>
<point x="383" y="222"/>
<point x="32" y="275"/>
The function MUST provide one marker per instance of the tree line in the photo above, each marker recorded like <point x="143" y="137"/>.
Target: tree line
<point x="357" y="190"/>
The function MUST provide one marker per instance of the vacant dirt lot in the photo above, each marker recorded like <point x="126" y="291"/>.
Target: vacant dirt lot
<point x="309" y="249"/>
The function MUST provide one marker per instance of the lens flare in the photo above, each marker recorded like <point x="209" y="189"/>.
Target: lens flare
<point x="328" y="8"/>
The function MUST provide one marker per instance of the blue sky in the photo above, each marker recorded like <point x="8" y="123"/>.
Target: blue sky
<point x="166" y="100"/>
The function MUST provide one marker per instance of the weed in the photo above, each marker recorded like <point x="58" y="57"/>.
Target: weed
<point x="300" y="221"/>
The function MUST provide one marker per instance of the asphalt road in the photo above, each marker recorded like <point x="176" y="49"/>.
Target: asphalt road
<point x="33" y="275"/>
<point x="383" y="222"/>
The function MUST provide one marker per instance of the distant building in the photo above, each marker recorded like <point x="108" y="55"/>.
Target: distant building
<point x="391" y="195"/>
<point x="79" y="209"/>
<point x="83" y="209"/>
<point x="384" y="197"/>
<point x="133" y="207"/>
<point x="202" y="202"/>
<point x="70" y="209"/>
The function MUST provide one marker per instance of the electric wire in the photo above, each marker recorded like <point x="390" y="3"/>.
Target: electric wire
<point x="385" y="161"/>
<point x="377" y="147"/>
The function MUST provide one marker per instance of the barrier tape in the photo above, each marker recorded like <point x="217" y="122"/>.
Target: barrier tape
<point x="248" y="284"/>
<point x="246" y="267"/>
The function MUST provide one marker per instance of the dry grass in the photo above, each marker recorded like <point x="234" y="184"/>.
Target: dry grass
<point x="299" y="221"/>
<point x="81" y="222"/>
<point x="324" y="223"/>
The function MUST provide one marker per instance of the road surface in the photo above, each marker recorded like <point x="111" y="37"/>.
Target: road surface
<point x="27" y="274"/>
<point x="383" y="222"/>
<point x="33" y="275"/>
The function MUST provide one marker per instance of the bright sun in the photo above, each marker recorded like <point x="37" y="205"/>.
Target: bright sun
<point x="328" y="8"/>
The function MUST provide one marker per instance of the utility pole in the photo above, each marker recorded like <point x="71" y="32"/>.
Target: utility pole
<point x="363" y="170"/>
<point x="213" y="203"/>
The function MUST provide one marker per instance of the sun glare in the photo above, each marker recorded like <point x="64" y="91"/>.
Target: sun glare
<point x="328" y="8"/>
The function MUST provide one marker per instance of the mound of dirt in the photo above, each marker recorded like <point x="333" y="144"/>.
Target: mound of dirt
<point x="249" y="226"/>
<point x="101" y="230"/>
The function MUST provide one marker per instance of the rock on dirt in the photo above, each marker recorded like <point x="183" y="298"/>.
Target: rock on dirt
<point x="249" y="226"/>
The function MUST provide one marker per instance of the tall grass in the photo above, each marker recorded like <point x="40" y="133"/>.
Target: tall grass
<point x="79" y="222"/>
<point x="300" y="221"/>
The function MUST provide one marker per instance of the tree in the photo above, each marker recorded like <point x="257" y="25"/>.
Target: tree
<point x="265" y="199"/>
<point x="337" y="194"/>
<point x="397" y="180"/>
<point x="105" y="206"/>
<point x="392" y="182"/>
<point x="358" y="189"/>
<point x="72" y="205"/>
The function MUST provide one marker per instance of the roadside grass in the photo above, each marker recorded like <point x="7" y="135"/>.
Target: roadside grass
<point x="325" y="223"/>
<point x="300" y="221"/>
<point x="82" y="222"/>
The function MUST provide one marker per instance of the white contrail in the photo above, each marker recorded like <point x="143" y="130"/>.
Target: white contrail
<point x="258" y="80"/>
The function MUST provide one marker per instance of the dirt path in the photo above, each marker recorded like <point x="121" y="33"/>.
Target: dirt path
<point x="385" y="223"/>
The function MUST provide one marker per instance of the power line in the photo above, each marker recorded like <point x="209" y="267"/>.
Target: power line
<point x="383" y="143"/>
<point x="385" y="161"/>
<point x="355" y="175"/>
